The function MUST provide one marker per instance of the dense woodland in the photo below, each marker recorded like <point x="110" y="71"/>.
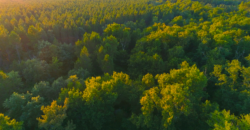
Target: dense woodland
<point x="124" y="64"/>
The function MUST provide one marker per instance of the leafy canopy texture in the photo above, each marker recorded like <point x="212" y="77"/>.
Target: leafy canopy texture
<point x="7" y="124"/>
<point x="53" y="116"/>
<point x="177" y="93"/>
<point x="125" y="64"/>
<point x="225" y="121"/>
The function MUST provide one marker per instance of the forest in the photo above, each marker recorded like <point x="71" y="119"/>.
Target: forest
<point x="124" y="64"/>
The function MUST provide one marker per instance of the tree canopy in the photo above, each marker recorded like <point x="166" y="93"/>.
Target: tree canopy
<point x="125" y="64"/>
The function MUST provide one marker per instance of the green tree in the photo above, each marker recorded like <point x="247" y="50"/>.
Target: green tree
<point x="108" y="97"/>
<point x="9" y="83"/>
<point x="244" y="6"/>
<point x="232" y="93"/>
<point x="4" y="45"/>
<point x="151" y="64"/>
<point x="15" y="41"/>
<point x="120" y="32"/>
<point x="35" y="71"/>
<point x="33" y="35"/>
<point x="106" y="54"/>
<point x="56" y="67"/>
<point x="24" y="107"/>
<point x="84" y="60"/>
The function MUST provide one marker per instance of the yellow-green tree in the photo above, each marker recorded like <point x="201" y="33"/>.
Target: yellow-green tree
<point x="223" y="120"/>
<point x="7" y="124"/>
<point x="233" y="93"/>
<point x="178" y="93"/>
<point x="53" y="116"/>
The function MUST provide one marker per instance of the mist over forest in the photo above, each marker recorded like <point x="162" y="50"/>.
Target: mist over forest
<point x="124" y="64"/>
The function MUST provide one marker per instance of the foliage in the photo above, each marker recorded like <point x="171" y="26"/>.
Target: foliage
<point x="7" y="123"/>
<point x="127" y="65"/>
<point x="54" y="116"/>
